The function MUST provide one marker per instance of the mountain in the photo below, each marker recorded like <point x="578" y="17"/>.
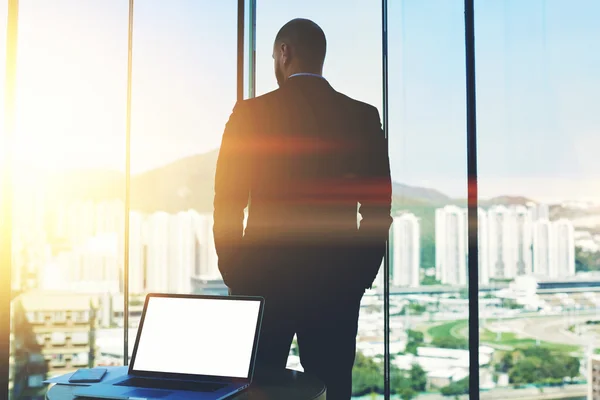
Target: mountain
<point x="181" y="185"/>
<point x="419" y="194"/>
<point x="187" y="183"/>
<point x="505" y="201"/>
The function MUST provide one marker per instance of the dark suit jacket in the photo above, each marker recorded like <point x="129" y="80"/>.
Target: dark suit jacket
<point x="304" y="156"/>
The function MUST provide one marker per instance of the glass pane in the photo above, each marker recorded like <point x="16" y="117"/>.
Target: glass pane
<point x="69" y="159"/>
<point x="538" y="93"/>
<point x="353" y="67"/>
<point x="184" y="89"/>
<point x="428" y="262"/>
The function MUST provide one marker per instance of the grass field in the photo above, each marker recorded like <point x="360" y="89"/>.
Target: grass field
<point x="503" y="340"/>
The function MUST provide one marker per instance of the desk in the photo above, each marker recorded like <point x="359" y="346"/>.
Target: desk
<point x="285" y="385"/>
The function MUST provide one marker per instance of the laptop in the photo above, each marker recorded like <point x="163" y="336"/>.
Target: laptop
<point x="189" y="347"/>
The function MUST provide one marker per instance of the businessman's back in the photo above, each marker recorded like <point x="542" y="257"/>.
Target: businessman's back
<point x="306" y="156"/>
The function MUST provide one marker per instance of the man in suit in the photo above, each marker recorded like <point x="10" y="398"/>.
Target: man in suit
<point x="303" y="158"/>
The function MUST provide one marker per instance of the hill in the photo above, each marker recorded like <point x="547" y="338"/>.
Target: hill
<point x="188" y="183"/>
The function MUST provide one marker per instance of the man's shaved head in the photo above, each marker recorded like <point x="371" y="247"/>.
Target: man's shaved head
<point x="300" y="46"/>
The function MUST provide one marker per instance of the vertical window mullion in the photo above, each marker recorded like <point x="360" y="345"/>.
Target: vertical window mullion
<point x="241" y="15"/>
<point x="127" y="188"/>
<point x="472" y="201"/>
<point x="386" y="259"/>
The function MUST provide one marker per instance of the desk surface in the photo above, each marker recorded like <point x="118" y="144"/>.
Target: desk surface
<point x="288" y="385"/>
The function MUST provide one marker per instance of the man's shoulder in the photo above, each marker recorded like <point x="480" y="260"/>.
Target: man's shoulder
<point x="357" y="105"/>
<point x="277" y="97"/>
<point x="261" y="101"/>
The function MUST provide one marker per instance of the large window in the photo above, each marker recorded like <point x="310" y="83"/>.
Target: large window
<point x="428" y="260"/>
<point x="538" y="92"/>
<point x="68" y="174"/>
<point x="538" y="134"/>
<point x="184" y="89"/>
<point x="352" y="66"/>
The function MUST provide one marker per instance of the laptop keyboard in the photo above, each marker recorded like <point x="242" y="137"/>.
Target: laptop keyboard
<point x="171" y="385"/>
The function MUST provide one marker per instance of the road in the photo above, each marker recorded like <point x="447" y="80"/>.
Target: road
<point x="550" y="329"/>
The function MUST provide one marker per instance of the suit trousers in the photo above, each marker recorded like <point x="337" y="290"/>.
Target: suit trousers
<point x="325" y="324"/>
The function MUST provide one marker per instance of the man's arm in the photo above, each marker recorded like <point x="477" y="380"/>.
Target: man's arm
<point x="232" y="188"/>
<point x="375" y="200"/>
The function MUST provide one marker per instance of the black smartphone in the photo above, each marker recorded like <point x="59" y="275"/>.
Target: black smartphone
<point x="88" y="375"/>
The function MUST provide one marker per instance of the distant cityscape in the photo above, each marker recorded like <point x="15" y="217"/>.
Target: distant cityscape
<point x="68" y="284"/>
<point x="81" y="247"/>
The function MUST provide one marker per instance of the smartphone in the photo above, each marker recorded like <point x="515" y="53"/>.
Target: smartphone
<point x="88" y="375"/>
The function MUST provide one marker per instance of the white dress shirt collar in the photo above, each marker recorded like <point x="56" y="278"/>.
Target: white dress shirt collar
<point x="306" y="74"/>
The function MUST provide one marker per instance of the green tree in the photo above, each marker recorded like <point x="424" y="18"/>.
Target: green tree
<point x="407" y="393"/>
<point x="542" y="353"/>
<point x="366" y="375"/>
<point x="456" y="388"/>
<point x="586" y="260"/>
<point x="413" y="309"/>
<point x="415" y="339"/>
<point x="539" y="365"/>
<point x="416" y="336"/>
<point x="526" y="371"/>
<point x="397" y="379"/>
<point x="400" y="384"/>
<point x="572" y="366"/>
<point x="418" y="378"/>
<point x="430" y="281"/>
<point x="506" y="363"/>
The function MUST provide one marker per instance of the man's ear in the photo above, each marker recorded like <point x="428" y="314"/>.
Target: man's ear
<point x="286" y="53"/>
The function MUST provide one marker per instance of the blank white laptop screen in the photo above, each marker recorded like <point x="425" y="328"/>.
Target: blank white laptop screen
<point x="198" y="336"/>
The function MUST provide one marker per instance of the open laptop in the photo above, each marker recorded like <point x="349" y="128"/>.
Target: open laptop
<point x="189" y="347"/>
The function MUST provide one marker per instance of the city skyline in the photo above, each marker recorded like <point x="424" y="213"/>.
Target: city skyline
<point x="80" y="246"/>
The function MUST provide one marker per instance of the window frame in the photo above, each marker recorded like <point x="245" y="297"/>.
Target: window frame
<point x="246" y="85"/>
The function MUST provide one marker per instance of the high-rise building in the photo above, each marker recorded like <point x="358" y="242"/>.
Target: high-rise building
<point x="137" y="255"/>
<point x="405" y="251"/>
<point x="93" y="266"/>
<point x="81" y="221"/>
<point x="542" y="245"/>
<point x="110" y="217"/>
<point x="522" y="237"/>
<point x="501" y="249"/>
<point x="182" y="251"/>
<point x="564" y="248"/>
<point x="157" y="252"/>
<point x="64" y="327"/>
<point x="483" y="247"/>
<point x="450" y="245"/>
<point x="206" y="255"/>
<point x="539" y="211"/>
<point x="553" y="248"/>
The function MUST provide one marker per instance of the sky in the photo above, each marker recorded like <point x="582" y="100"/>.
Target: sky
<point x="538" y="86"/>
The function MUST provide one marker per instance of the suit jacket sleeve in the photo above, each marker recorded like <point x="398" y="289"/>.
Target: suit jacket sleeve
<point x="375" y="200"/>
<point x="232" y="188"/>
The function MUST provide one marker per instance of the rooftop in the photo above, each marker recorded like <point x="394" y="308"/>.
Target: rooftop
<point x="55" y="301"/>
